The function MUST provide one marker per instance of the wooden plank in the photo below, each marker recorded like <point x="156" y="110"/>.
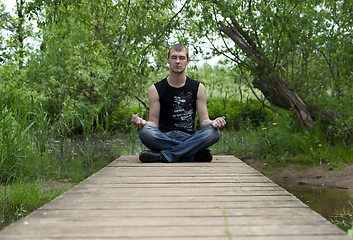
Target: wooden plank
<point x="131" y="159"/>
<point x="180" y="184"/>
<point x="157" y="199"/>
<point x="165" y="190"/>
<point x="177" y="221"/>
<point x="177" y="180"/>
<point x="301" y="237"/>
<point x="171" y="205"/>
<point x="174" y="231"/>
<point x="131" y="200"/>
<point x="184" y="171"/>
<point x="182" y="212"/>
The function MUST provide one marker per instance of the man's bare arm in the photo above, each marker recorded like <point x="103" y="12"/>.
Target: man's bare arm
<point x="153" y="119"/>
<point x="201" y="105"/>
<point x="155" y="107"/>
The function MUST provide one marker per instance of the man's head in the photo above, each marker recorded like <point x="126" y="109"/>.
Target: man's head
<point x="178" y="48"/>
<point x="178" y="58"/>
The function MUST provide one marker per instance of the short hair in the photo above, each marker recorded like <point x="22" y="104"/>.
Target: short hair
<point x="178" y="47"/>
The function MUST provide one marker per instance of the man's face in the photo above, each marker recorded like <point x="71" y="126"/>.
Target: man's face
<point x="178" y="61"/>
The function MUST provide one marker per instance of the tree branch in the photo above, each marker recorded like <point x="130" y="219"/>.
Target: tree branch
<point x="143" y="103"/>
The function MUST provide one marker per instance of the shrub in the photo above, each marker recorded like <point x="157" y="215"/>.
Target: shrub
<point x="248" y="114"/>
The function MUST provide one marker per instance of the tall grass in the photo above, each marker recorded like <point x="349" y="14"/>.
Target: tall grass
<point x="15" y="144"/>
<point x="21" y="198"/>
<point x="280" y="142"/>
<point x="34" y="150"/>
<point x="239" y="143"/>
<point x="42" y="131"/>
<point x="31" y="142"/>
<point x="344" y="217"/>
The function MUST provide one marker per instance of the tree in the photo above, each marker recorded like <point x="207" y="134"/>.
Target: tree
<point x="3" y="18"/>
<point x="334" y="43"/>
<point x="19" y="30"/>
<point x="95" y="54"/>
<point x="268" y="36"/>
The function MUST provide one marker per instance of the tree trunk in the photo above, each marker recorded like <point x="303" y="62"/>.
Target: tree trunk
<point x="20" y="31"/>
<point x="271" y="84"/>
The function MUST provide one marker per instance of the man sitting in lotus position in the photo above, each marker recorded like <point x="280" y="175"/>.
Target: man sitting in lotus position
<point x="169" y="132"/>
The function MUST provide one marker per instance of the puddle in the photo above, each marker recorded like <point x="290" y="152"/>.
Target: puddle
<point x="334" y="204"/>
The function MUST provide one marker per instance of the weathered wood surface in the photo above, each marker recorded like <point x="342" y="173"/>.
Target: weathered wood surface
<point x="224" y="199"/>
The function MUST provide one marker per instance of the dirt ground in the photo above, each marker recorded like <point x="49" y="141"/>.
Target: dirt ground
<point x="317" y="176"/>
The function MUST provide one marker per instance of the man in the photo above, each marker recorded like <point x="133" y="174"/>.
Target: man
<point x="169" y="132"/>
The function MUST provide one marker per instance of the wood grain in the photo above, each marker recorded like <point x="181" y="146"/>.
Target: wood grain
<point x="132" y="200"/>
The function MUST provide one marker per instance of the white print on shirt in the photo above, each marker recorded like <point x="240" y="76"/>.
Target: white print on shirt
<point x="182" y="111"/>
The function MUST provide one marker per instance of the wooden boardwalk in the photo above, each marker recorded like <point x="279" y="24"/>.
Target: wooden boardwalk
<point x="224" y="199"/>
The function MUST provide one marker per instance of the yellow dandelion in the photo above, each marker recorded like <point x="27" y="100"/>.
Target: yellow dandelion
<point x="264" y="128"/>
<point x="274" y="124"/>
<point x="320" y="145"/>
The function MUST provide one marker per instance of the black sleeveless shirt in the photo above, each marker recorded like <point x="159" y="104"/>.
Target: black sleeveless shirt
<point x="178" y="106"/>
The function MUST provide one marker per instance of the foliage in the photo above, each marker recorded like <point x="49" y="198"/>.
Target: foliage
<point x="219" y="80"/>
<point x="95" y="58"/>
<point x="344" y="218"/>
<point x="238" y="114"/>
<point x="309" y="42"/>
<point x="121" y="117"/>
<point x="3" y="19"/>
<point x="280" y="144"/>
<point x="18" y="28"/>
<point x="14" y="133"/>
<point x="239" y="143"/>
<point x="350" y="232"/>
<point x="95" y="54"/>
<point x="277" y="41"/>
<point x="27" y="148"/>
<point x="19" y="199"/>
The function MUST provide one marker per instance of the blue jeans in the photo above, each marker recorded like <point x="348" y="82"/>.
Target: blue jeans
<point x="177" y="146"/>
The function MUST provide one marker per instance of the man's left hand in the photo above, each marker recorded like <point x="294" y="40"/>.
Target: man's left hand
<point x="219" y="122"/>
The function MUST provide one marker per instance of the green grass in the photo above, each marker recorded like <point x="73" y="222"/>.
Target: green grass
<point x="80" y="158"/>
<point x="278" y="144"/>
<point x="227" y="230"/>
<point x="21" y="198"/>
<point x="344" y="217"/>
<point x="350" y="232"/>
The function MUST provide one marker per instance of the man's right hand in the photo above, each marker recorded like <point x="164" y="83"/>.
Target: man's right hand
<point x="137" y="121"/>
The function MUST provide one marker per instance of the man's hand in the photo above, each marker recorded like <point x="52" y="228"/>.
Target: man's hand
<point x="137" y="121"/>
<point x="218" y="122"/>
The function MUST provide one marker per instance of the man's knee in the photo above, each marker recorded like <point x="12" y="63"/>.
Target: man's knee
<point x="212" y="134"/>
<point x="216" y="134"/>
<point x="145" y="132"/>
<point x="148" y="133"/>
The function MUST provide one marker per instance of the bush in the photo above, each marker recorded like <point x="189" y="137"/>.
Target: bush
<point x="280" y="143"/>
<point x="238" y="115"/>
<point x="121" y="116"/>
